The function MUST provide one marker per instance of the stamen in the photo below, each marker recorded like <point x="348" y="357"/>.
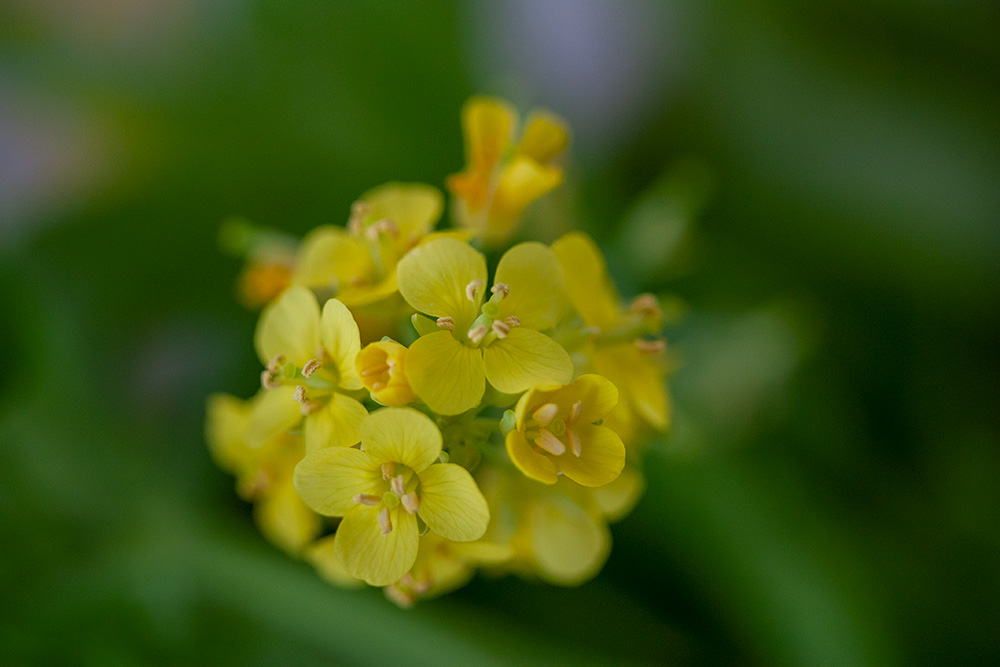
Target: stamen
<point x="574" y="413"/>
<point x="501" y="287"/>
<point x="382" y="227"/>
<point x="387" y="470"/>
<point x="651" y="346"/>
<point x="367" y="499"/>
<point x="311" y="367"/>
<point x="550" y="443"/>
<point x="574" y="443"/>
<point x="545" y="414"/>
<point x="476" y="334"/>
<point x="309" y="406"/>
<point x="398" y="485"/>
<point x="513" y="321"/>
<point x="446" y="323"/>
<point x="359" y="211"/>
<point x="410" y="502"/>
<point x="470" y="289"/>
<point x="500" y="328"/>
<point x="384" y="521"/>
<point x="647" y="305"/>
<point x="275" y="364"/>
<point x="401" y="598"/>
<point x="300" y="395"/>
<point x="268" y="381"/>
<point x="372" y="370"/>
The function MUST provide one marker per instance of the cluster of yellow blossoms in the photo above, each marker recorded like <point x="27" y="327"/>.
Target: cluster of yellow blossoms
<point x="418" y="421"/>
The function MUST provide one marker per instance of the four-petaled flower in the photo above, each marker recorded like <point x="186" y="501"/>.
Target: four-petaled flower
<point x="554" y="432"/>
<point x="310" y="364"/>
<point x="381" y="489"/>
<point x="498" y="340"/>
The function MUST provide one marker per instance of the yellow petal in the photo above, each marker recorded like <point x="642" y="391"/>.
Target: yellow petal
<point x="522" y="182"/>
<point x="488" y="125"/>
<point x="289" y="327"/>
<point x="329" y="257"/>
<point x="328" y="479"/>
<point x="617" y="498"/>
<point x="531" y="463"/>
<point x="414" y="207"/>
<point x="368" y="554"/>
<point x="587" y="282"/>
<point x="335" y="424"/>
<point x="451" y="504"/>
<point x="274" y="412"/>
<point x="225" y="430"/>
<point x="448" y="376"/>
<point x="402" y="435"/>
<point x="285" y="519"/>
<point x="546" y="136"/>
<point x="601" y="459"/>
<point x="523" y="359"/>
<point x="537" y="288"/>
<point x="640" y="379"/>
<point x="342" y="341"/>
<point x="433" y="276"/>
<point x="569" y="545"/>
<point x="598" y="396"/>
<point x="323" y="557"/>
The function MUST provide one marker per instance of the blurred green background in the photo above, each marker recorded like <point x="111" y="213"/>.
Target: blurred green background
<point x="818" y="185"/>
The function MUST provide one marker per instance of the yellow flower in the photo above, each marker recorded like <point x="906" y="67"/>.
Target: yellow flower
<point x="501" y="178"/>
<point x="381" y="366"/>
<point x="263" y="473"/>
<point x="381" y="489"/>
<point x="310" y="364"/>
<point x="358" y="264"/>
<point x="498" y="340"/>
<point x="555" y="433"/>
<point x="617" y="348"/>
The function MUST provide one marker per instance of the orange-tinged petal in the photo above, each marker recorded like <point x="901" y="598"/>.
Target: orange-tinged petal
<point x="569" y="544"/>
<point x="433" y="276"/>
<point x="368" y="554"/>
<point x="546" y="137"/>
<point x="587" y="282"/>
<point x="289" y="327"/>
<point x="335" y="424"/>
<point x="531" y="463"/>
<point x="451" y="504"/>
<point x="328" y="479"/>
<point x="402" y="435"/>
<point x="273" y="413"/>
<point x="447" y="375"/>
<point x="522" y="182"/>
<point x="488" y="125"/>
<point x="601" y="460"/>
<point x="525" y="358"/>
<point x="342" y="341"/>
<point x="537" y="293"/>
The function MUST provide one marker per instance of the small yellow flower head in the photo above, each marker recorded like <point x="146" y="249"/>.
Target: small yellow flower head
<point x="382" y="370"/>
<point x="381" y="489"/>
<point x="310" y="364"/>
<point x="618" y="349"/>
<point x="260" y="282"/>
<point x="358" y="265"/>
<point x="484" y="334"/>
<point x="501" y="177"/>
<point x="554" y="433"/>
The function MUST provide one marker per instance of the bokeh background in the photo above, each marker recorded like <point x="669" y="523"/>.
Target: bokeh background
<point x="815" y="187"/>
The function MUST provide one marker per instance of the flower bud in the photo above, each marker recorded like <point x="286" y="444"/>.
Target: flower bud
<point x="380" y="366"/>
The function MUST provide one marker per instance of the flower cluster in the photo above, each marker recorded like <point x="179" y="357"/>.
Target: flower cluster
<point x="422" y="416"/>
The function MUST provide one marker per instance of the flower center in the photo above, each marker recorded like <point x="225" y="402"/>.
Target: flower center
<point x="487" y="328"/>
<point x="551" y="434"/>
<point x="402" y="485"/>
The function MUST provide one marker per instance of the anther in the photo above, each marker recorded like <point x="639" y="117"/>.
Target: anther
<point x="367" y="499"/>
<point x="651" y="346"/>
<point x="513" y="321"/>
<point x="382" y="227"/>
<point x="384" y="521"/>
<point x="574" y="413"/>
<point x="647" y="305"/>
<point x="446" y="323"/>
<point x="276" y="363"/>
<point x="398" y="485"/>
<point x="311" y="367"/>
<point x="476" y="334"/>
<point x="300" y="394"/>
<point x="501" y="287"/>
<point x="470" y="289"/>
<point x="268" y="381"/>
<point x="545" y="414"/>
<point x="410" y="502"/>
<point x="388" y="469"/>
<point x="550" y="443"/>
<point x="500" y="329"/>
<point x="574" y="443"/>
